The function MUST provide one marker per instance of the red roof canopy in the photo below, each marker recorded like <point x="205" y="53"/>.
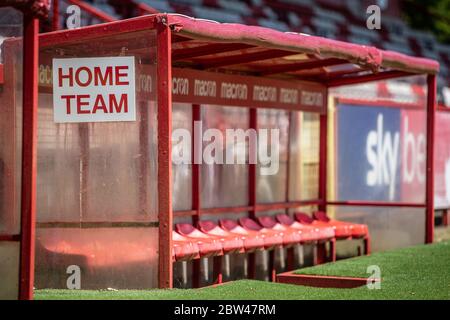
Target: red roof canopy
<point x="241" y="49"/>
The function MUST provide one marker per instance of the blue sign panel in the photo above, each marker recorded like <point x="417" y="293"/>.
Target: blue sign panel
<point x="369" y="153"/>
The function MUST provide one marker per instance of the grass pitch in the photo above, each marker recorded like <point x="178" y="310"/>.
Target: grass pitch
<point x="421" y="272"/>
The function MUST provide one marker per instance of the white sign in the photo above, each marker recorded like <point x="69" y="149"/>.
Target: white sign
<point x="94" y="89"/>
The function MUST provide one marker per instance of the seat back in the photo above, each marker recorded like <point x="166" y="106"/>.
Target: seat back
<point x="303" y="218"/>
<point x="184" y="228"/>
<point x="267" y="221"/>
<point x="206" y="225"/>
<point x="284" y="219"/>
<point x="228" y="224"/>
<point x="250" y="224"/>
<point x="321" y="216"/>
<point x="177" y="237"/>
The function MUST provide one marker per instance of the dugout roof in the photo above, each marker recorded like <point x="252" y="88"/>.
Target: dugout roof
<point x="258" y="51"/>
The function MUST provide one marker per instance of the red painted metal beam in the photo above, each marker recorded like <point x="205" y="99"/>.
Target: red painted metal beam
<point x="367" y="78"/>
<point x="323" y="158"/>
<point x="249" y="208"/>
<point x="385" y="103"/>
<point x="253" y="124"/>
<point x="285" y="205"/>
<point x="10" y="237"/>
<point x="187" y="53"/>
<point x="55" y="15"/>
<point x="29" y="162"/>
<point x="2" y="76"/>
<point x="354" y="203"/>
<point x="196" y="181"/>
<point x="305" y="65"/>
<point x="431" y="120"/>
<point x="339" y="74"/>
<point x="164" y="90"/>
<point x="97" y="31"/>
<point x="196" y="148"/>
<point x="288" y="157"/>
<point x="244" y="58"/>
<point x="320" y="281"/>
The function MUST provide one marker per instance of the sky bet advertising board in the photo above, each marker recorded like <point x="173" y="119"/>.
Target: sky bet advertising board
<point x="381" y="154"/>
<point x="442" y="161"/>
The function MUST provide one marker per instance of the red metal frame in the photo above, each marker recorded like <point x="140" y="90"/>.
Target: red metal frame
<point x="164" y="76"/>
<point x="345" y="81"/>
<point x="375" y="204"/>
<point x="55" y="15"/>
<point x="312" y="64"/>
<point x="253" y="124"/>
<point x="321" y="281"/>
<point x="431" y="116"/>
<point x="323" y="158"/>
<point x="196" y="175"/>
<point x="29" y="159"/>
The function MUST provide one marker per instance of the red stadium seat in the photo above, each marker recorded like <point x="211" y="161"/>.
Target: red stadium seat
<point x="208" y="246"/>
<point x="183" y="248"/>
<point x="271" y="238"/>
<point x="309" y="233"/>
<point x="290" y="236"/>
<point x="231" y="243"/>
<point x="341" y="231"/>
<point x="357" y="230"/>
<point x="253" y="240"/>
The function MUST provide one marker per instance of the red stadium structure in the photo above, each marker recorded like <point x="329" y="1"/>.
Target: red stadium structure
<point x="105" y="196"/>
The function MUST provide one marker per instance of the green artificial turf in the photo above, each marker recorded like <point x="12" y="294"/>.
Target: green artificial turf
<point x="421" y="272"/>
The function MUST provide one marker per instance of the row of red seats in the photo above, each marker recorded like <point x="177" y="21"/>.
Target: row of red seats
<point x="211" y="239"/>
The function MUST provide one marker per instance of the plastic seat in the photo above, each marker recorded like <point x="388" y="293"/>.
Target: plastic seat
<point x="309" y="233"/>
<point x="253" y="239"/>
<point x="272" y="238"/>
<point x="183" y="248"/>
<point x="290" y="235"/>
<point x="357" y="230"/>
<point x="208" y="246"/>
<point x="341" y="231"/>
<point x="231" y="243"/>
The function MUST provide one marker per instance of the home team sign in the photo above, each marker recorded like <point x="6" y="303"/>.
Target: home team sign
<point x="94" y="89"/>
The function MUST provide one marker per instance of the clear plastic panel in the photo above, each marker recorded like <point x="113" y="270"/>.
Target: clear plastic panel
<point x="128" y="150"/>
<point x="108" y="169"/>
<point x="11" y="51"/>
<point x="389" y="227"/>
<point x="9" y="270"/>
<point x="121" y="258"/>
<point x="99" y="180"/>
<point x="379" y="133"/>
<point x="59" y="167"/>
<point x="224" y="185"/>
<point x="182" y="171"/>
<point x="11" y="22"/>
<point x="272" y="187"/>
<point x="304" y="156"/>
